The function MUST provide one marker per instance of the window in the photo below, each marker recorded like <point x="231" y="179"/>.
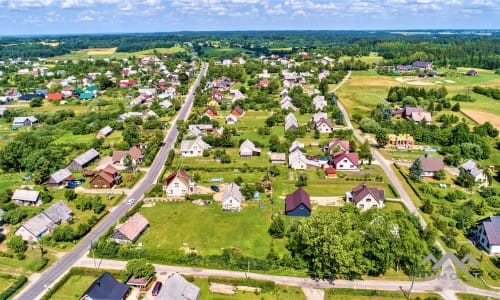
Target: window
<point x="368" y="200"/>
<point x="176" y="184"/>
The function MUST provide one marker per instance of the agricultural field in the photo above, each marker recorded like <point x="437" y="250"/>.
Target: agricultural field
<point x="369" y="59"/>
<point x="100" y="53"/>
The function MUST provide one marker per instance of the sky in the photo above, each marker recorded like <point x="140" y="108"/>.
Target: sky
<point x="27" y="17"/>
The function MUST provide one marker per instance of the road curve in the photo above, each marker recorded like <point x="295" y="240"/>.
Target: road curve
<point x="36" y="289"/>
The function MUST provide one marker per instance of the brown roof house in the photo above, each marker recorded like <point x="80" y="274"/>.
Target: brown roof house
<point x="106" y="178"/>
<point x="130" y="231"/>
<point x="336" y="146"/>
<point x="238" y="111"/>
<point x="346" y="161"/>
<point x="210" y="112"/>
<point x="135" y="154"/>
<point x="298" y="204"/>
<point x="364" y="197"/>
<point x="430" y="165"/>
<point x="178" y="184"/>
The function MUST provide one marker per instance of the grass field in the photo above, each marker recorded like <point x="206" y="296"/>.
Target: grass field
<point x="208" y="229"/>
<point x="210" y="51"/>
<point x="111" y="53"/>
<point x="463" y="296"/>
<point x="5" y="283"/>
<point x="10" y="180"/>
<point x="369" y="59"/>
<point x="74" y="287"/>
<point x="70" y="138"/>
<point x="348" y="294"/>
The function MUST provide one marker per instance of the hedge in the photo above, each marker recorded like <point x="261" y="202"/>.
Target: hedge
<point x="394" y="191"/>
<point x="11" y="290"/>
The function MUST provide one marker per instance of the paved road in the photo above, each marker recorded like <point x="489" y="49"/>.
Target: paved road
<point x="36" y="289"/>
<point x="435" y="286"/>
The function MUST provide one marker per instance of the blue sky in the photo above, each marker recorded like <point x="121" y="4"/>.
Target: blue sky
<point x="102" y="16"/>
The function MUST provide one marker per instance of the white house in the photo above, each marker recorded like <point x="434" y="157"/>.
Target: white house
<point x="364" y="197"/>
<point x="298" y="161"/>
<point x="324" y="126"/>
<point x="194" y="147"/>
<point x="319" y="102"/>
<point x="291" y="122"/>
<point x="479" y="175"/>
<point x="488" y="234"/>
<point x="232" y="198"/>
<point x="231" y="119"/>
<point x="346" y="161"/>
<point x="24" y="121"/>
<point x="318" y="116"/>
<point x="248" y="149"/>
<point x="178" y="184"/>
<point x="26" y="198"/>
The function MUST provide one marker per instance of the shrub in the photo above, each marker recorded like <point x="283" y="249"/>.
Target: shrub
<point x="11" y="290"/>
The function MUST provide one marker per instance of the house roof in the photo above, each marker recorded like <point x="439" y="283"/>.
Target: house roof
<point x="60" y="175"/>
<point x="296" y="145"/>
<point x="136" y="153"/>
<point x="58" y="212"/>
<point x="118" y="155"/>
<point x="492" y="229"/>
<point x="419" y="116"/>
<point x="187" y="144"/>
<point x="211" y="109"/>
<point x="277" y="156"/>
<point x="109" y="169"/>
<point x="133" y="226"/>
<point x="38" y="224"/>
<point x="26" y="195"/>
<point x="178" y="288"/>
<point x="233" y="190"/>
<point x="432" y="164"/>
<point x="106" y="288"/>
<point x="238" y="109"/>
<point x="179" y="173"/>
<point x="247" y="144"/>
<point x="319" y="115"/>
<point x="54" y="96"/>
<point x="231" y="118"/>
<point x="291" y="121"/>
<point x="344" y="144"/>
<point x="362" y="190"/>
<point x="105" y="176"/>
<point x="324" y="121"/>
<point x="87" y="157"/>
<point x="106" y="130"/>
<point x="330" y="170"/>
<point x="352" y="157"/>
<point x="471" y="167"/>
<point x="295" y="199"/>
<point x="23" y="119"/>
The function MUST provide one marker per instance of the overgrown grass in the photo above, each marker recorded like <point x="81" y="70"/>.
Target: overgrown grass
<point x="347" y="294"/>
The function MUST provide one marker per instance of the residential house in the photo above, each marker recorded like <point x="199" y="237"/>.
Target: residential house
<point x="336" y="145"/>
<point x="298" y="204"/>
<point x="222" y="83"/>
<point x="488" y="234"/>
<point x="403" y="68"/>
<point x="318" y="116"/>
<point x="178" y="183"/>
<point x="277" y="158"/>
<point x="238" y="111"/>
<point x="129" y="114"/>
<point x="430" y="165"/>
<point x="106" y="288"/>
<point x="471" y="73"/>
<point x="210" y="112"/>
<point x="165" y="104"/>
<point x="286" y="103"/>
<point x="199" y="129"/>
<point x="295" y="146"/>
<point x="232" y="198"/>
<point x="400" y="141"/>
<point x="59" y="178"/>
<point x="346" y="161"/>
<point x="54" y="96"/>
<point x="194" y="147"/>
<point x="319" y="102"/>
<point x="130" y="231"/>
<point x="84" y="160"/>
<point x="416" y="114"/>
<point x="135" y="154"/>
<point x="263" y="83"/>
<point x="298" y="161"/>
<point x="104" y="132"/>
<point x="26" y="198"/>
<point x="324" y="126"/>
<point x="420" y="117"/>
<point x="479" y="175"/>
<point x="236" y="95"/>
<point x="248" y="149"/>
<point x="178" y="288"/>
<point x="44" y="222"/>
<point x="422" y="65"/>
<point x="24" y="121"/>
<point x="364" y="197"/>
<point x="291" y="122"/>
<point x="106" y="178"/>
<point x="231" y="119"/>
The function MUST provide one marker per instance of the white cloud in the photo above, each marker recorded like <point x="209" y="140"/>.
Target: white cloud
<point x="27" y="4"/>
<point x="86" y="19"/>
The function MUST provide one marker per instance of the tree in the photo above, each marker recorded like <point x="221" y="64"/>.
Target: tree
<point x="138" y="268"/>
<point x="36" y="102"/>
<point x="301" y="180"/>
<point x="427" y="207"/>
<point x="440" y="175"/>
<point x="63" y="233"/>
<point x="465" y="179"/>
<point x="382" y="138"/>
<point x="277" y="228"/>
<point x="456" y="107"/>
<point x="323" y="86"/>
<point x="274" y="171"/>
<point x="70" y="195"/>
<point x="416" y="170"/>
<point x="16" y="244"/>
<point x="131" y="135"/>
<point x="365" y="150"/>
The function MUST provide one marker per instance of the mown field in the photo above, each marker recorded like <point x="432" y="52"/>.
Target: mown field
<point x="100" y="53"/>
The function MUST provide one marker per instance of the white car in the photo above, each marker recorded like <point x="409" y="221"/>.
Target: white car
<point x="130" y="201"/>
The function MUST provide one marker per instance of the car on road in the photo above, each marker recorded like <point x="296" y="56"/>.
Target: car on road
<point x="214" y="188"/>
<point x="156" y="288"/>
<point x="130" y="201"/>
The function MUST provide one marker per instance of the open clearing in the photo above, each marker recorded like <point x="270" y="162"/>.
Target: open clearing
<point x="482" y="116"/>
<point x="101" y="51"/>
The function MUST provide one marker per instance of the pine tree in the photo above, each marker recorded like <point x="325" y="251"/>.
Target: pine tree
<point x="416" y="170"/>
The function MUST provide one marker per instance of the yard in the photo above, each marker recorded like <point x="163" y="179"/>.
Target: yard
<point x="5" y="282"/>
<point x="74" y="287"/>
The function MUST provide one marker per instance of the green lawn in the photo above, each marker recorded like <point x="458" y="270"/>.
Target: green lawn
<point x="5" y="283"/>
<point x="101" y="53"/>
<point x="209" y="229"/>
<point x="282" y="292"/>
<point x="10" y="180"/>
<point x="369" y="59"/>
<point x="74" y="287"/>
<point x="70" y="138"/>
<point x="348" y="294"/>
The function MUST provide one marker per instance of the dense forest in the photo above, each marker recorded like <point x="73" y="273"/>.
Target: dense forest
<point x="458" y="49"/>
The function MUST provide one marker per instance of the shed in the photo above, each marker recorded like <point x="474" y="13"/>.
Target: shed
<point x="84" y="160"/>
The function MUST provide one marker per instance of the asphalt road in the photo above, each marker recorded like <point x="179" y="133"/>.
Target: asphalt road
<point x="37" y="288"/>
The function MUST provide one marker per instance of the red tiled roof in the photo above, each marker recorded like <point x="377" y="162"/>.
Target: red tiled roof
<point x="330" y="171"/>
<point x="109" y="169"/>
<point x="295" y="199"/>
<point x="212" y="109"/>
<point x="54" y="96"/>
<point x="362" y="190"/>
<point x="432" y="164"/>
<point x="239" y="110"/>
<point x="135" y="152"/>
<point x="118" y="155"/>
<point x="181" y="173"/>
<point x="352" y="157"/>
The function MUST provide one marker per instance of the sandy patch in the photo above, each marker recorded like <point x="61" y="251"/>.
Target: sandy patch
<point x="481" y="117"/>
<point x="399" y="79"/>
<point x="438" y="81"/>
<point x="419" y="82"/>
<point x="449" y="81"/>
<point x="101" y="51"/>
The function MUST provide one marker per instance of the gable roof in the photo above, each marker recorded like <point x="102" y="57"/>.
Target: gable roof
<point x="233" y="190"/>
<point x="60" y="175"/>
<point x="238" y="109"/>
<point x="319" y="115"/>
<point x="344" y="144"/>
<point x="26" y="195"/>
<point x="295" y="199"/>
<point x="247" y="144"/>
<point x="231" y="118"/>
<point x="133" y="227"/>
<point x="118" y="155"/>
<point x="352" y="157"/>
<point x="106" y="130"/>
<point x="187" y="144"/>
<point x="106" y="288"/>
<point x="179" y="173"/>
<point x="296" y="145"/>
<point x="58" y="212"/>
<point x="432" y="164"/>
<point x="291" y="122"/>
<point x="136" y="153"/>
<point x="492" y="229"/>
<point x="38" y="224"/>
<point x="362" y="190"/>
<point x="87" y="157"/>
<point x="327" y="122"/>
<point x="177" y="287"/>
<point x="210" y="109"/>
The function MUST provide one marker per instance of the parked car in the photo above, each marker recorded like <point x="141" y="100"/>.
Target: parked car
<point x="156" y="288"/>
<point x="130" y="201"/>
<point x="214" y="188"/>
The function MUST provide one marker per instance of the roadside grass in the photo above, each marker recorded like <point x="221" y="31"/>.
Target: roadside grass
<point x="27" y="266"/>
<point x="393" y="205"/>
<point x="463" y="296"/>
<point x="74" y="287"/>
<point x="175" y="224"/>
<point x="5" y="283"/>
<point x="347" y="294"/>
<point x="282" y="292"/>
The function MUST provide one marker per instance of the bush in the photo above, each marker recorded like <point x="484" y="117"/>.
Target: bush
<point x="17" y="244"/>
<point x="11" y="290"/>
